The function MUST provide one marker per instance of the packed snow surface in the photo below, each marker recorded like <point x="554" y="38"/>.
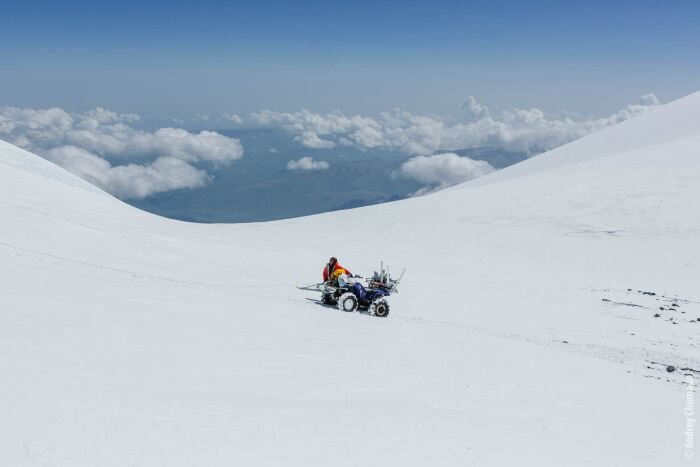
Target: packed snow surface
<point x="524" y="333"/>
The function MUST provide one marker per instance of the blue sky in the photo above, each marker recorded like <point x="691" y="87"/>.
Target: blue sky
<point x="176" y="58"/>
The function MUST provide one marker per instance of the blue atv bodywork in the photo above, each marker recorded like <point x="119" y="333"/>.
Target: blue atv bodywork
<point x="366" y="296"/>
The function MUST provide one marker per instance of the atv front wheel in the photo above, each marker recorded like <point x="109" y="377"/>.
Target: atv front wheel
<point x="348" y="302"/>
<point x="379" y="308"/>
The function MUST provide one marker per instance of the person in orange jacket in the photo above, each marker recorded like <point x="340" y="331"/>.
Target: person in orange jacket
<point x="333" y="269"/>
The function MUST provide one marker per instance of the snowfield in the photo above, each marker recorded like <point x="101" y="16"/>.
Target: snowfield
<point x="524" y="334"/>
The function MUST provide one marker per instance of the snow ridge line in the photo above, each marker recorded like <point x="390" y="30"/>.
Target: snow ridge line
<point x="133" y="274"/>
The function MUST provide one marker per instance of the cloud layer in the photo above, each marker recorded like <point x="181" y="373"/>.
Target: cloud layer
<point x="88" y="143"/>
<point x="442" y="170"/>
<point x="131" y="180"/>
<point x="522" y="130"/>
<point x="110" y="150"/>
<point x="307" y="163"/>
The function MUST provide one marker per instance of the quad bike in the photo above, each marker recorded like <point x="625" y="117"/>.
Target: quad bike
<point x="351" y="295"/>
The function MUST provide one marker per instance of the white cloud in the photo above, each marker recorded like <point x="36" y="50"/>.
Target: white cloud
<point x="233" y="118"/>
<point x="131" y="180"/>
<point x="307" y="163"/>
<point x="526" y="130"/>
<point x="311" y="128"/>
<point x="648" y="100"/>
<point x="176" y="142"/>
<point x="163" y="156"/>
<point x="475" y="108"/>
<point x="442" y="170"/>
<point x="311" y="140"/>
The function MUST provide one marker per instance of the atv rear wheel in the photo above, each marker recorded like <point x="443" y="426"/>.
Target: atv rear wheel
<point x="379" y="308"/>
<point x="329" y="299"/>
<point x="348" y="302"/>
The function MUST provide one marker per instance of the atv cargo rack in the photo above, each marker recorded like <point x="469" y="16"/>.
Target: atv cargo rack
<point x="380" y="278"/>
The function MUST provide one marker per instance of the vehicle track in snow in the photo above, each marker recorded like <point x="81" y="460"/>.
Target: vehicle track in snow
<point x="137" y="240"/>
<point x="130" y="273"/>
<point x="636" y="359"/>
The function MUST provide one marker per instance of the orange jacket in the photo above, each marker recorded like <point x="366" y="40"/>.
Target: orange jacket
<point x="336" y="269"/>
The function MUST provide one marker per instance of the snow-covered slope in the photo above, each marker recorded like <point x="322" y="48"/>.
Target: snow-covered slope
<point x="521" y="336"/>
<point x="674" y="121"/>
